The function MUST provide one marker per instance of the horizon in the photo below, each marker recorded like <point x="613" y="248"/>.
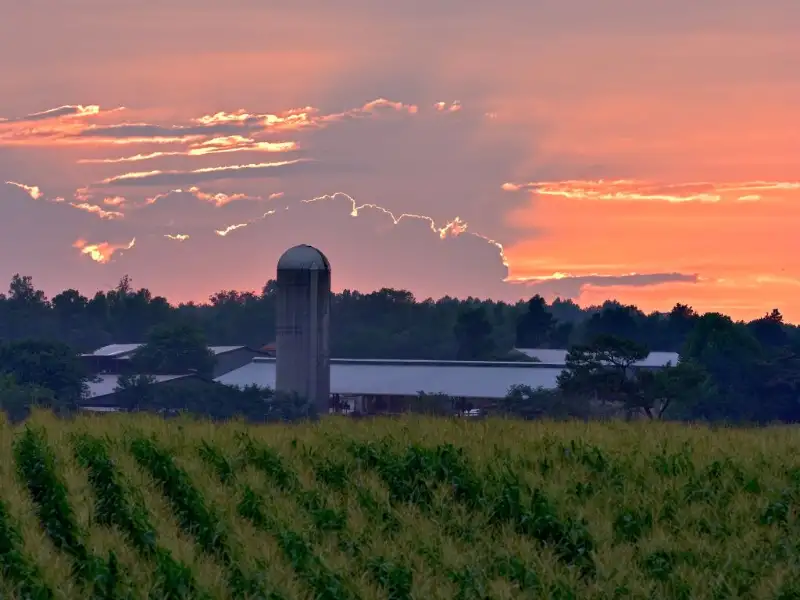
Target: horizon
<point x="258" y="293"/>
<point x="639" y="152"/>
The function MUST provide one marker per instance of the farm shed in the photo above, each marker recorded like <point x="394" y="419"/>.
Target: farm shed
<point x="171" y="392"/>
<point x="367" y="385"/>
<point x="115" y="358"/>
<point x="101" y="389"/>
<point x="553" y="357"/>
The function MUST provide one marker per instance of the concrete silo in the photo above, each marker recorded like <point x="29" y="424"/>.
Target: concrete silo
<point x="303" y="317"/>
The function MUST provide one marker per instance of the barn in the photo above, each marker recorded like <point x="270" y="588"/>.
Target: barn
<point x="116" y="358"/>
<point x="378" y="385"/>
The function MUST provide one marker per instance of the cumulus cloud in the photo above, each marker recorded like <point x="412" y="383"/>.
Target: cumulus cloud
<point x="101" y="252"/>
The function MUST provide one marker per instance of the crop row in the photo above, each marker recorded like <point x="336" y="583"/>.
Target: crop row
<point x="196" y="518"/>
<point x="114" y="506"/>
<point x="37" y="469"/>
<point x="297" y="548"/>
<point x="396" y="512"/>
<point x="15" y="566"/>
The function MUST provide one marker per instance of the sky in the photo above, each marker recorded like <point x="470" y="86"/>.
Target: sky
<point x="646" y="151"/>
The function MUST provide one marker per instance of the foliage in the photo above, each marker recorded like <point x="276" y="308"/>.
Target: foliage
<point x="45" y="364"/>
<point x="473" y="332"/>
<point x="173" y="350"/>
<point x="115" y="506"/>
<point x="604" y="369"/>
<point x="401" y="508"/>
<point x="36" y="466"/>
<point x="17" y="400"/>
<point x="524" y="402"/>
<point x="728" y="371"/>
<point x="135" y="391"/>
<point x="15" y="566"/>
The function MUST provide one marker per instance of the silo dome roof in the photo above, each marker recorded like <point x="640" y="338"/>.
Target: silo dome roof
<point x="303" y="258"/>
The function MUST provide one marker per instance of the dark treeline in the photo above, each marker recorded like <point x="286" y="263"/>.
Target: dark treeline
<point x="732" y="371"/>
<point x="383" y="324"/>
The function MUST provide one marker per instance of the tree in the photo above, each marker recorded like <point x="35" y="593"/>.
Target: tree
<point x="525" y="402"/>
<point x="22" y="293"/>
<point x="17" y="400"/>
<point x="604" y="369"/>
<point x="174" y="350"/>
<point x="473" y="333"/>
<point x="616" y="320"/>
<point x="770" y="331"/>
<point x="50" y="365"/>
<point x="731" y="356"/>
<point x="135" y="391"/>
<point x="675" y="390"/>
<point x="535" y="325"/>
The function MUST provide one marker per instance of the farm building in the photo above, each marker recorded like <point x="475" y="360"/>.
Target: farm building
<point x="172" y="391"/>
<point x="552" y="357"/>
<point x="115" y="358"/>
<point x="102" y="386"/>
<point x="369" y="385"/>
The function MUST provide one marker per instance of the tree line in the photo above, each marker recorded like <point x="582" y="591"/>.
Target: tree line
<point x="735" y="371"/>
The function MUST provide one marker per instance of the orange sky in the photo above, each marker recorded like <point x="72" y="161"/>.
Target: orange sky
<point x="643" y="151"/>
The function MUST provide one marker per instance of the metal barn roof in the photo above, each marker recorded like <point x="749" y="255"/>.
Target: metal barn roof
<point x="106" y="383"/>
<point x="407" y="378"/>
<point x="559" y="357"/>
<point x="122" y="350"/>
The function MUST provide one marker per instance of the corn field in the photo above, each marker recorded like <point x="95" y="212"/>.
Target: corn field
<point x="124" y="506"/>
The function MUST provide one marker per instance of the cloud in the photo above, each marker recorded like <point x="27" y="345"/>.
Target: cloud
<point x="101" y="252"/>
<point x="61" y="112"/>
<point x="253" y="170"/>
<point x="82" y="204"/>
<point x="97" y="210"/>
<point x="51" y="126"/>
<point x="220" y="145"/>
<point x="217" y="199"/>
<point x="453" y="228"/>
<point x="32" y="190"/>
<point x="572" y="286"/>
<point x="445" y="107"/>
<point x="240" y="124"/>
<point x="630" y="190"/>
<point x="230" y="228"/>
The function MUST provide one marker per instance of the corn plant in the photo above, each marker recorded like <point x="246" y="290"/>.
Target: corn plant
<point x="195" y="517"/>
<point x="115" y="507"/>
<point x="36" y="467"/>
<point x="15" y="566"/>
<point x="325" y="584"/>
<point x="412" y="475"/>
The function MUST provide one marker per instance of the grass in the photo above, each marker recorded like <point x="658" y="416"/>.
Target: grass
<point x="123" y="506"/>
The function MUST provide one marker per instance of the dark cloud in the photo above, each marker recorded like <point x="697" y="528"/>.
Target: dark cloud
<point x="572" y="287"/>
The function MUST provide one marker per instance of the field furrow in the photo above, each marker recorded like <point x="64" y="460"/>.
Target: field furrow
<point x="134" y="506"/>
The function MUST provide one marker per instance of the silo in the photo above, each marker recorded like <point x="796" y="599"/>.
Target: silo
<point x="304" y="300"/>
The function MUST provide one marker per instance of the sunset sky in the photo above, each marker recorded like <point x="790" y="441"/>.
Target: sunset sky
<point x="640" y="150"/>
